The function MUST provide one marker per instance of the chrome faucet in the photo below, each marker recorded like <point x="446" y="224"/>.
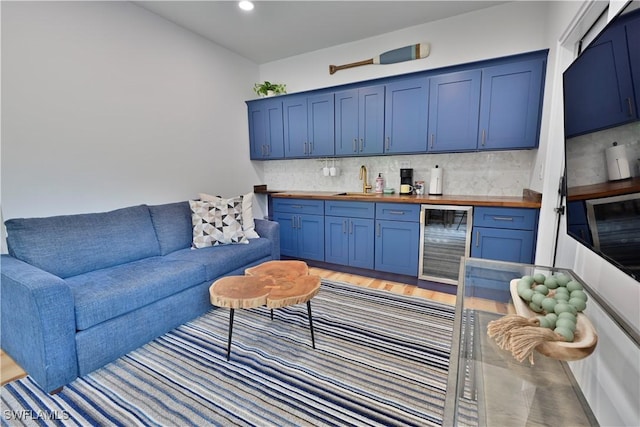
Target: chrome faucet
<point x="363" y="176"/>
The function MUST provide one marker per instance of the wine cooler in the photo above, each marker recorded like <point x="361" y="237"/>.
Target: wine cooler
<point x="445" y="235"/>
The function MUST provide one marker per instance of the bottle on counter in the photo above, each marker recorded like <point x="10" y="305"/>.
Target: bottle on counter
<point x="379" y="183"/>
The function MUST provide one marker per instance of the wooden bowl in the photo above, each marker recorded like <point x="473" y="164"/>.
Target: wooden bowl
<point x="585" y="337"/>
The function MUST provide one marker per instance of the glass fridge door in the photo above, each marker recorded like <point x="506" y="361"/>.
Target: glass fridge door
<point x="445" y="235"/>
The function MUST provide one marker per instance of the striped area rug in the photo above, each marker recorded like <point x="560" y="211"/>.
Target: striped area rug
<point x="380" y="359"/>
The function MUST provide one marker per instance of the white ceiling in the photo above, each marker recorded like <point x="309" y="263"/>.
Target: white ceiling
<point x="280" y="29"/>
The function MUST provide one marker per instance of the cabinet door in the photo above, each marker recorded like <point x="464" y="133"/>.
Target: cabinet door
<point x="257" y="132"/>
<point x="406" y="116"/>
<point x="288" y="233"/>
<point x="397" y="246"/>
<point x="274" y="130"/>
<point x="502" y="244"/>
<point x="336" y="240"/>
<point x="454" y="105"/>
<point x="361" y="245"/>
<point x="371" y="120"/>
<point x="510" y="105"/>
<point x="265" y="130"/>
<point x="320" y="131"/>
<point x="294" y="110"/>
<point x="311" y="237"/>
<point x="598" y="86"/>
<point x="633" y="45"/>
<point x="346" y="123"/>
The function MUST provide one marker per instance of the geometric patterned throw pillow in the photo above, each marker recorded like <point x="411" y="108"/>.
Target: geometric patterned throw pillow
<point x="248" y="224"/>
<point x="217" y="222"/>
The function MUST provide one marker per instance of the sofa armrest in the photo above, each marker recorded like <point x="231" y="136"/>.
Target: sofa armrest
<point x="270" y="230"/>
<point x="38" y="323"/>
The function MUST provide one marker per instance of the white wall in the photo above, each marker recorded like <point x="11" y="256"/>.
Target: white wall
<point x="106" y="105"/>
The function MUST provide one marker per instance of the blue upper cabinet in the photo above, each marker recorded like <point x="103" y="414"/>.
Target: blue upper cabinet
<point x="510" y="105"/>
<point x="265" y="130"/>
<point x="598" y="85"/>
<point x="454" y="104"/>
<point x="359" y="121"/>
<point x="489" y="105"/>
<point x="405" y="125"/>
<point x="633" y="45"/>
<point x="296" y="143"/>
<point x="309" y="125"/>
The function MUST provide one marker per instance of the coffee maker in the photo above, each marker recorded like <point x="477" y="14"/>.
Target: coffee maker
<point x="406" y="178"/>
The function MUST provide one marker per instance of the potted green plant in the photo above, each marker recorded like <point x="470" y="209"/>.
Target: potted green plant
<point x="269" y="89"/>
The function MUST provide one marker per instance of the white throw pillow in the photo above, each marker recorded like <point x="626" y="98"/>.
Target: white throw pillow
<point x="248" y="224"/>
<point x="217" y="222"/>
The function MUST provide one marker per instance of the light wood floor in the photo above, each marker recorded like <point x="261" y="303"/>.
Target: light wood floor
<point x="10" y="371"/>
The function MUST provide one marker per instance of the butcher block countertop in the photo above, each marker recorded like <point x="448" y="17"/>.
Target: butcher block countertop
<point x="604" y="189"/>
<point x="528" y="200"/>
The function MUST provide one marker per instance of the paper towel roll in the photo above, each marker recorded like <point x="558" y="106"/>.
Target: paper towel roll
<point x="435" y="183"/>
<point x="617" y="162"/>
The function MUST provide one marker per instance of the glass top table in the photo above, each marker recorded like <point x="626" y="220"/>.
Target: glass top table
<point x="487" y="386"/>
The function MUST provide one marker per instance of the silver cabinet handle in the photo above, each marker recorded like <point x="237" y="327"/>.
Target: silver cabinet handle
<point x="396" y="212"/>
<point x="378" y="231"/>
<point x="305" y="148"/>
<point x="361" y="144"/>
<point x="299" y="222"/>
<point x="310" y="147"/>
<point x="630" y="105"/>
<point x="484" y="137"/>
<point x="293" y="222"/>
<point x="387" y="143"/>
<point x="502" y="218"/>
<point x="477" y="239"/>
<point x="268" y="150"/>
<point x="432" y="139"/>
<point x="350" y="227"/>
<point x="297" y="206"/>
<point x="344" y="227"/>
<point x="355" y="145"/>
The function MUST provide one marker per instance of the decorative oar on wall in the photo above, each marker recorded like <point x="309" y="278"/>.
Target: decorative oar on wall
<point x="407" y="53"/>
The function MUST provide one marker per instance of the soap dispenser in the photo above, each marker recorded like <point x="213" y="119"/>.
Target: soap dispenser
<point x="379" y="183"/>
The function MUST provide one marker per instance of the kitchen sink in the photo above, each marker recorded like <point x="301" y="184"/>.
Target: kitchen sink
<point x="348" y="194"/>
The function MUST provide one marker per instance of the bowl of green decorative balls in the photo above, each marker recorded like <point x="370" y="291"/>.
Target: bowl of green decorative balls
<point x="557" y="301"/>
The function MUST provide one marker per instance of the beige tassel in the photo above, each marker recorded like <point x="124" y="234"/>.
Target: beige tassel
<point x="524" y="340"/>
<point x="500" y="329"/>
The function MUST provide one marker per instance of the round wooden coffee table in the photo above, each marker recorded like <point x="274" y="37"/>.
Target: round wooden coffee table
<point x="275" y="284"/>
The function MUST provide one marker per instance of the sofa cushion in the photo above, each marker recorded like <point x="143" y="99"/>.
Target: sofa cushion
<point x="69" y="245"/>
<point x="220" y="260"/>
<point x="105" y="294"/>
<point x="172" y="223"/>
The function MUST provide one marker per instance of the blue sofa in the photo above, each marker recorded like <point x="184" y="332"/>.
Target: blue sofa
<point x="79" y="291"/>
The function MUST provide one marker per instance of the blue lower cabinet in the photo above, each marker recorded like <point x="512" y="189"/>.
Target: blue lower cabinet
<point x="349" y="233"/>
<point x="504" y="234"/>
<point x="503" y="244"/>
<point x="301" y="235"/>
<point x="349" y="241"/>
<point x="397" y="247"/>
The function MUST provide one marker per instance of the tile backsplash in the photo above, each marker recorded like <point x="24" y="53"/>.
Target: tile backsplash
<point x="493" y="173"/>
<point x="586" y="161"/>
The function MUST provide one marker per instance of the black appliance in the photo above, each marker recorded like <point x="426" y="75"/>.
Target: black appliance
<point x="406" y="177"/>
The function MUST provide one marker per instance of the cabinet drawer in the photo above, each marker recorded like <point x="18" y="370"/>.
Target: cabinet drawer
<point x="315" y="207"/>
<point x="511" y="218"/>
<point x="349" y="209"/>
<point x="398" y="212"/>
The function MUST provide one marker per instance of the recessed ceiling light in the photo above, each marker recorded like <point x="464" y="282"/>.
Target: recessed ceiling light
<point x="245" y="5"/>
